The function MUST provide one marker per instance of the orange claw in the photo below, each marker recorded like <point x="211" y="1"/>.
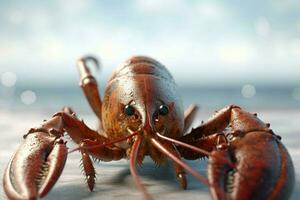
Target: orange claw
<point x="35" y="167"/>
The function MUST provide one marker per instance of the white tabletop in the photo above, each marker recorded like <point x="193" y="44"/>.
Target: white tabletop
<point x="113" y="178"/>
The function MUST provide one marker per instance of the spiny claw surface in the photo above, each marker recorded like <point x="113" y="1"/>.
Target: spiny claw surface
<point x="35" y="167"/>
<point x="262" y="167"/>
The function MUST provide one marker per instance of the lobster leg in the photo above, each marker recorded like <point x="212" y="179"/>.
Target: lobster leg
<point x="101" y="152"/>
<point x="180" y="173"/>
<point x="207" y="136"/>
<point x="89" y="85"/>
<point x="216" y="124"/>
<point x="90" y="143"/>
<point x="207" y="143"/>
<point x="91" y="147"/>
<point x="88" y="168"/>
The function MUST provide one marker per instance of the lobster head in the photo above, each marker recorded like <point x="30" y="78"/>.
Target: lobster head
<point x="146" y="99"/>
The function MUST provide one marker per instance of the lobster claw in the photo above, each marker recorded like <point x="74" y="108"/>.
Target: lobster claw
<point x="261" y="167"/>
<point x="35" y="167"/>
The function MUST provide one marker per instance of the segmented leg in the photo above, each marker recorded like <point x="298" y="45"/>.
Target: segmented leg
<point x="89" y="84"/>
<point x="216" y="124"/>
<point x="90" y="144"/>
<point x="207" y="143"/>
<point x="99" y="151"/>
<point x="77" y="129"/>
<point x="88" y="169"/>
<point x="207" y="135"/>
<point x="180" y="173"/>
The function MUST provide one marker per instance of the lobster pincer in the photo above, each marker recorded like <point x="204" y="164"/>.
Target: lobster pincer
<point x="40" y="159"/>
<point x="37" y="163"/>
<point x="263" y="168"/>
<point x="247" y="160"/>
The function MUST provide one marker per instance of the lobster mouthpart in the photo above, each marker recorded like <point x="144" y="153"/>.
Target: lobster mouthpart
<point x="35" y="167"/>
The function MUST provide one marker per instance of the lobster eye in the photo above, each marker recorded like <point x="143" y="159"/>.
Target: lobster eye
<point x="129" y="110"/>
<point x="163" y="110"/>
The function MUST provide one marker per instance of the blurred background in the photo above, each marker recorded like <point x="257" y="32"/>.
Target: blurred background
<point x="219" y="52"/>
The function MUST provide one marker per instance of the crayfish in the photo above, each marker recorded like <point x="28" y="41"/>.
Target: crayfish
<point x="141" y="115"/>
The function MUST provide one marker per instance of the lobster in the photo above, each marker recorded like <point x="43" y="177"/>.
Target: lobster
<point x="141" y="115"/>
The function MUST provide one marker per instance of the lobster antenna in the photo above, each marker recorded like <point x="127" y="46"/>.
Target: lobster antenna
<point x="173" y="157"/>
<point x="202" y="151"/>
<point x="133" y="133"/>
<point x="198" y="176"/>
<point x="136" y="178"/>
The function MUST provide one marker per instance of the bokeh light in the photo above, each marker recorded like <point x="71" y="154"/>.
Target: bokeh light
<point x="28" y="97"/>
<point x="262" y="27"/>
<point x="248" y="91"/>
<point x="8" y="79"/>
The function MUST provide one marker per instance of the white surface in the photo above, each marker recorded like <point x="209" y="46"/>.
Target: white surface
<point x="113" y="178"/>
